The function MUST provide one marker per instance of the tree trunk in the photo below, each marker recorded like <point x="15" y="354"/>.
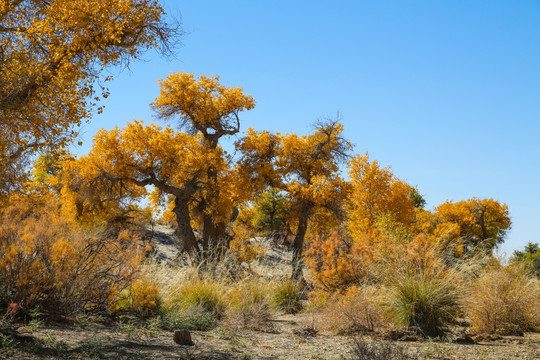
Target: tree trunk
<point x="188" y="241"/>
<point x="298" y="247"/>
<point x="214" y="237"/>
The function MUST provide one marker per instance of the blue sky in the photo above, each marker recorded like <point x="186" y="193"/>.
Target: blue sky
<point x="446" y="92"/>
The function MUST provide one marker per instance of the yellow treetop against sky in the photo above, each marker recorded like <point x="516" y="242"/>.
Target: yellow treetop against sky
<point x="53" y="54"/>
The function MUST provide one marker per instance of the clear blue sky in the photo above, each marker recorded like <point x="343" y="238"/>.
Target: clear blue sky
<point x="446" y="92"/>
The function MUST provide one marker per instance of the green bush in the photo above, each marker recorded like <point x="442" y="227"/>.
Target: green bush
<point x="190" y="318"/>
<point x="287" y="296"/>
<point x="425" y="303"/>
<point x="207" y="295"/>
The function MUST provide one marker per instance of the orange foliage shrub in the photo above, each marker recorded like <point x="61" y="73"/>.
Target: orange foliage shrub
<point x="336" y="263"/>
<point x="53" y="263"/>
<point x="141" y="298"/>
<point x="241" y="247"/>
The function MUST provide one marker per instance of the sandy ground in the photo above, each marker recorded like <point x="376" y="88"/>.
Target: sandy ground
<point x="287" y="339"/>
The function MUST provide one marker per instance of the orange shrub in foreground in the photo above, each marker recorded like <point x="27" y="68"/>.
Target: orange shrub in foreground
<point x="53" y="264"/>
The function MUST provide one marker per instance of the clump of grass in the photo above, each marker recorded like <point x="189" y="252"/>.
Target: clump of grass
<point x="427" y="303"/>
<point x="503" y="300"/>
<point x="287" y="297"/>
<point x="207" y="294"/>
<point x="359" y="310"/>
<point x="189" y="318"/>
<point x="379" y="350"/>
<point x="248" y="305"/>
<point x="195" y="304"/>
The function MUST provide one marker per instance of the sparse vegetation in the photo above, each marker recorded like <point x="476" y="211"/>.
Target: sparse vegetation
<point x="360" y="310"/>
<point x="379" y="350"/>
<point x="504" y="300"/>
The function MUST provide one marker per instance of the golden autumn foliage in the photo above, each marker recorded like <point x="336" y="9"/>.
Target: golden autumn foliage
<point x="53" y="54"/>
<point x="141" y="298"/>
<point x="305" y="169"/>
<point x="241" y="247"/>
<point x="202" y="105"/>
<point x="175" y="163"/>
<point x="207" y="110"/>
<point x="49" y="261"/>
<point x="471" y="225"/>
<point x="336" y="262"/>
<point x="309" y="166"/>
<point x="376" y="192"/>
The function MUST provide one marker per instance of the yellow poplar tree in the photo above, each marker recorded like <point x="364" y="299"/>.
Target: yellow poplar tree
<point x="471" y="225"/>
<point x="376" y="192"/>
<point x="52" y="57"/>
<point x="210" y="111"/>
<point x="175" y="163"/>
<point x="305" y="168"/>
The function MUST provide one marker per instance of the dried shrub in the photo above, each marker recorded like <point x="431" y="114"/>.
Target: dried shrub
<point x="503" y="300"/>
<point x="379" y="350"/>
<point x="52" y="263"/>
<point x="359" y="310"/>
<point x="336" y="262"/>
<point x="248" y="305"/>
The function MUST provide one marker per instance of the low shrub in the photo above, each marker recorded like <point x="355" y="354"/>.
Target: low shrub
<point x="248" y="305"/>
<point x="426" y="303"/>
<point x="207" y="294"/>
<point x="193" y="317"/>
<point x="359" y="310"/>
<point x="51" y="262"/>
<point x="503" y="300"/>
<point x="287" y="297"/>
<point x="140" y="298"/>
<point x="379" y="350"/>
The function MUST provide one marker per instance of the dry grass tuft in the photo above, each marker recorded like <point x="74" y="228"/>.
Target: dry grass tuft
<point x="359" y="310"/>
<point x="287" y="297"/>
<point x="504" y="300"/>
<point x="248" y="304"/>
<point x="426" y="303"/>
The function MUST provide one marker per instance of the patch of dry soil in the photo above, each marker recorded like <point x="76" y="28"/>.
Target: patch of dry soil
<point x="288" y="338"/>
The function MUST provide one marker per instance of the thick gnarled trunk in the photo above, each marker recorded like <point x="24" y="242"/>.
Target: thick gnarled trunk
<point x="188" y="241"/>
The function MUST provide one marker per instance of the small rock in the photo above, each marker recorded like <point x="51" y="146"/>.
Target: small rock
<point x="183" y="337"/>
<point x="464" y="339"/>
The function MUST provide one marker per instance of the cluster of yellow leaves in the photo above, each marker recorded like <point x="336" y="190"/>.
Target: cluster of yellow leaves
<point x="53" y="53"/>
<point x="146" y="154"/>
<point x="141" y="297"/>
<point x="203" y="105"/>
<point x="335" y="263"/>
<point x="475" y="220"/>
<point x="375" y="192"/>
<point x="242" y="248"/>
